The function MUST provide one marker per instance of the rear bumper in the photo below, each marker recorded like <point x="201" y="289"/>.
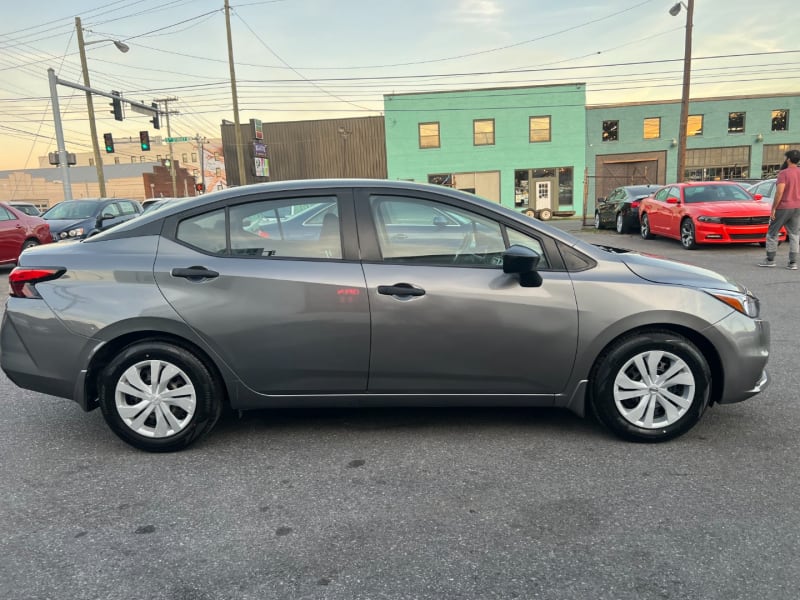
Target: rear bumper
<point x="36" y="351"/>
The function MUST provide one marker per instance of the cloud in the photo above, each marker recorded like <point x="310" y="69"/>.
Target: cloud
<point x="478" y="11"/>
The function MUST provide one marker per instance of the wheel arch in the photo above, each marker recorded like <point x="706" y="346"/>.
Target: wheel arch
<point x="110" y="348"/>
<point x="703" y="344"/>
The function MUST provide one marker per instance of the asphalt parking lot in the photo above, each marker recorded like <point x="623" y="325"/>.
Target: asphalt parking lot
<point x="417" y="503"/>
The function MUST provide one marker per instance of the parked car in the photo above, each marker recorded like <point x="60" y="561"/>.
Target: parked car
<point x="163" y="319"/>
<point x="705" y="212"/>
<point x="620" y="209"/>
<point x="764" y="190"/>
<point x="79" y="219"/>
<point x="18" y="232"/>
<point x="26" y="207"/>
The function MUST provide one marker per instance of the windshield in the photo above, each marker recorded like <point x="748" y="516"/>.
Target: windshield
<point x="715" y="193"/>
<point x="72" y="209"/>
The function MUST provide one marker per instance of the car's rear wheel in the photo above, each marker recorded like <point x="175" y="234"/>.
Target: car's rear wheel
<point x="597" y="224"/>
<point x="30" y="244"/>
<point x="650" y="386"/>
<point x="159" y="397"/>
<point x="644" y="228"/>
<point x="620" y="224"/>
<point x="688" y="235"/>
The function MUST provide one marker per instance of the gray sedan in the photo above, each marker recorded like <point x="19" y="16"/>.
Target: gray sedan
<point x="408" y="294"/>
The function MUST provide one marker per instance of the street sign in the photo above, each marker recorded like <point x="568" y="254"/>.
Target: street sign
<point x="142" y="111"/>
<point x="177" y="139"/>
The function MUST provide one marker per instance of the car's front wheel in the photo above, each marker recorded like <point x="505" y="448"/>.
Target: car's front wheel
<point x="644" y="228"/>
<point x="688" y="235"/>
<point x="158" y="396"/>
<point x="650" y="386"/>
<point x="597" y="223"/>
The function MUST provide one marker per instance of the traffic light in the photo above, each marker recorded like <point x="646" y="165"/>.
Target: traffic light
<point x="199" y="187"/>
<point x="154" y="120"/>
<point x="109" y="140"/>
<point x="116" y="104"/>
<point x="144" y="140"/>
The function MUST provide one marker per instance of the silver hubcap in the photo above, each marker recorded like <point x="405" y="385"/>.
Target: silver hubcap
<point x="687" y="235"/>
<point x="596" y="220"/>
<point x="654" y="389"/>
<point x="619" y="223"/>
<point x="155" y="398"/>
<point x="645" y="226"/>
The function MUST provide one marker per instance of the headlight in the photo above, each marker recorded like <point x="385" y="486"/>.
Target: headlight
<point x="745" y="303"/>
<point x="77" y="232"/>
<point x="707" y="219"/>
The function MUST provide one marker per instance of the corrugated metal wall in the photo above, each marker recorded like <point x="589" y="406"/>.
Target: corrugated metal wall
<point x="312" y="149"/>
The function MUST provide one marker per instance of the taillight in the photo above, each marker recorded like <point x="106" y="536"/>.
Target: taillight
<point x="22" y="280"/>
<point x="635" y="204"/>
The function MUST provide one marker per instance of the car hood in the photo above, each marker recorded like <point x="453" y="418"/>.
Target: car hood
<point x="744" y="208"/>
<point x="663" y="270"/>
<point x="59" y="225"/>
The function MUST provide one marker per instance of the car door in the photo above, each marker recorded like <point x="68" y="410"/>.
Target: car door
<point x="448" y="321"/>
<point x="288" y="316"/>
<point x="12" y="235"/>
<point x="659" y="215"/>
<point x="608" y="209"/>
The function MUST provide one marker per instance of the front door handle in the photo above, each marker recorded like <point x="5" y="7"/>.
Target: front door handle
<point x="194" y="273"/>
<point x="400" y="289"/>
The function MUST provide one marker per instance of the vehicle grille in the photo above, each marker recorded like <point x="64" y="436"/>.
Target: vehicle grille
<point x="746" y="220"/>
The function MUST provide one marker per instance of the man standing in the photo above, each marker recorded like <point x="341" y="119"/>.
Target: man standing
<point x="785" y="211"/>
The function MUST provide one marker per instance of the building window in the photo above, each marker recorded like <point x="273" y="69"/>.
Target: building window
<point x="429" y="135"/>
<point x="133" y="160"/>
<point x="116" y="160"/>
<point x="780" y="120"/>
<point x="194" y="157"/>
<point x="694" y="125"/>
<point x="216" y="155"/>
<point x="195" y="173"/>
<point x="736" y="122"/>
<point x="183" y="158"/>
<point x="91" y="162"/>
<point x="483" y="132"/>
<point x="610" y="131"/>
<point x="141" y="159"/>
<point x="158" y="157"/>
<point x="652" y="128"/>
<point x="218" y="172"/>
<point x="539" y="129"/>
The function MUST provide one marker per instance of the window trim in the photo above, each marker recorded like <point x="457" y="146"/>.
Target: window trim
<point x="603" y="130"/>
<point x="644" y="128"/>
<point x="702" y="125"/>
<point x="772" y="119"/>
<point x="744" y="122"/>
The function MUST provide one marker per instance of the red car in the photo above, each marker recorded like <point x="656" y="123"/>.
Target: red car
<point x="19" y="231"/>
<point x="705" y="212"/>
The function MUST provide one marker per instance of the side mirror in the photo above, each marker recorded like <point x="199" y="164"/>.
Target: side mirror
<point x="105" y="217"/>
<point x="523" y="260"/>
<point x="440" y="221"/>
<point x="673" y="201"/>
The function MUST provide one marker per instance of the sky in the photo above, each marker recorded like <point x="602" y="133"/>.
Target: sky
<point x="319" y="59"/>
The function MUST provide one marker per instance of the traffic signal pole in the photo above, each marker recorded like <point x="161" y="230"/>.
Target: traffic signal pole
<point x="63" y="160"/>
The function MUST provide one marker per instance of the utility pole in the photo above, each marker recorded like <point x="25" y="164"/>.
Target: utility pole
<point x="687" y="74"/>
<point x="201" y="151"/>
<point x="166" y="102"/>
<point x="238" y="132"/>
<point x="98" y="159"/>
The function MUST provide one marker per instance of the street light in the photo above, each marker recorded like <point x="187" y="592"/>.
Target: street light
<point x="687" y="71"/>
<point x="122" y="47"/>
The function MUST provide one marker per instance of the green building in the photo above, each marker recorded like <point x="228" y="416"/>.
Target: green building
<point x="523" y="147"/>
<point x="734" y="137"/>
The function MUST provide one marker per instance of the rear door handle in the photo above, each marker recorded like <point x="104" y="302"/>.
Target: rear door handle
<point x="400" y="289"/>
<point x="194" y="273"/>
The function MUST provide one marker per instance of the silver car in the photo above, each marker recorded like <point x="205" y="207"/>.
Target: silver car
<point x="407" y="294"/>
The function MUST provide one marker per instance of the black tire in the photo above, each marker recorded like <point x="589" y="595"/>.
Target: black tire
<point x="616" y="361"/>
<point x="530" y="213"/>
<point x="688" y="234"/>
<point x="545" y="214"/>
<point x="207" y="401"/>
<point x="30" y="244"/>
<point x="597" y="223"/>
<point x="619" y="224"/>
<point x="644" y="227"/>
